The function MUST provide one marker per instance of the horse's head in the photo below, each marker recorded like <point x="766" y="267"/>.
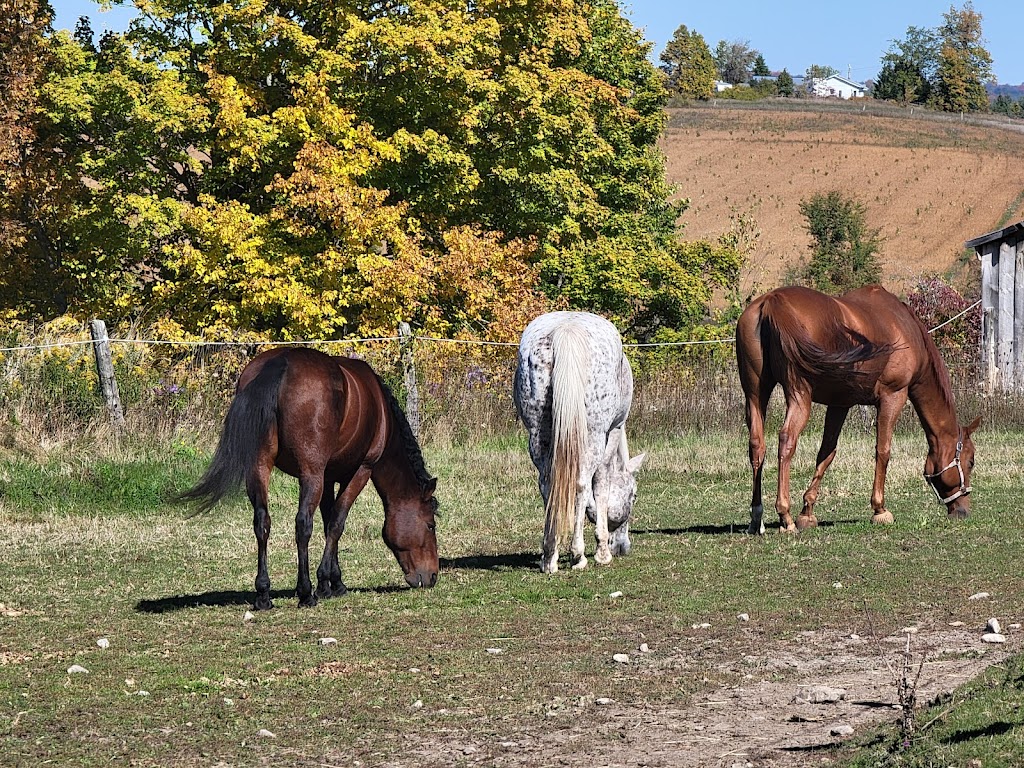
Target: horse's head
<point x="409" y="532"/>
<point x="950" y="476"/>
<point x="621" y="479"/>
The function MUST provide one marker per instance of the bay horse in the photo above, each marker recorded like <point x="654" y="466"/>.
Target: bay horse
<point x="864" y="348"/>
<point x="573" y="388"/>
<point x="332" y="423"/>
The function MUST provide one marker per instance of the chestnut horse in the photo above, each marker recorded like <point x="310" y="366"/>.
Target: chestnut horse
<point x="864" y="348"/>
<point x="331" y="422"/>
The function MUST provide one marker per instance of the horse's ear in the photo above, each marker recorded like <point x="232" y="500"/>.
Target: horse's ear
<point x="972" y="426"/>
<point x="634" y="464"/>
<point x="429" y="488"/>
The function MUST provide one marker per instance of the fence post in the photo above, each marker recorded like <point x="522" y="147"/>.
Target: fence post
<point x="105" y="370"/>
<point x="412" y="404"/>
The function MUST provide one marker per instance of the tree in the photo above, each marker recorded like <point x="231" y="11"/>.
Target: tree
<point x="844" y="251"/>
<point x="785" y="83"/>
<point x="688" y="66"/>
<point x="760" y="67"/>
<point x="734" y="60"/>
<point x="301" y="170"/>
<point x="964" y="65"/>
<point x="909" y="68"/>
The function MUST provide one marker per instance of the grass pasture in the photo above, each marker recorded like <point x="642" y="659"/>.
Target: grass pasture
<point x="90" y="549"/>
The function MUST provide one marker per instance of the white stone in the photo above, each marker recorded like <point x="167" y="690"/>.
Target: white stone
<point x="77" y="669"/>
<point x="615" y="594"/>
<point x="820" y="694"/>
<point x="621" y="658"/>
<point x="743" y="616"/>
<point x="103" y="643"/>
<point x="837" y="585"/>
<point x="702" y="625"/>
<point x="978" y="596"/>
<point x="604" y="701"/>
<point x="265" y="734"/>
<point x="328" y="641"/>
<point x="993" y="626"/>
<point x="418" y="704"/>
<point x="993" y="637"/>
<point x="248" y="616"/>
<point x="909" y="631"/>
<point x="495" y="651"/>
<point x="644" y="648"/>
<point x="841" y="730"/>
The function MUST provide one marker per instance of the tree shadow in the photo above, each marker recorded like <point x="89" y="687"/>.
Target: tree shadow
<point x="511" y="562"/>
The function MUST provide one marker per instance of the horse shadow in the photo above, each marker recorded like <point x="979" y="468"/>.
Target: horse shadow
<point x="519" y="561"/>
<point x="230" y="597"/>
<point x="723" y="530"/>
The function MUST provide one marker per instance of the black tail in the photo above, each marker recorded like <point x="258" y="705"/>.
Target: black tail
<point x="249" y="418"/>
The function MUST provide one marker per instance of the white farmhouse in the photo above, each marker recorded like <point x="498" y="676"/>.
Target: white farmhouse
<point x="838" y="86"/>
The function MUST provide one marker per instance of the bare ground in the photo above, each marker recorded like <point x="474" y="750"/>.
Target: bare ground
<point x="927" y="185"/>
<point x="758" y="720"/>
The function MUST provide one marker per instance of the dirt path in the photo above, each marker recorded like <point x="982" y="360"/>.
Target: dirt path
<point x="760" y="722"/>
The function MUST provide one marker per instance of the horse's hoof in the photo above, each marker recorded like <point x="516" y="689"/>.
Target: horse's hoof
<point x="549" y="565"/>
<point x="756" y="529"/>
<point x="339" y="590"/>
<point x="603" y="556"/>
<point x="883" y="518"/>
<point x="790" y="529"/>
<point x="262" y="604"/>
<point x="308" y="602"/>
<point x="580" y="564"/>
<point x="803" y="522"/>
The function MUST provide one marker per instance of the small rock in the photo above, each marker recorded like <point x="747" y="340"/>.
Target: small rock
<point x="841" y="730"/>
<point x="909" y="631"/>
<point x="837" y="585"/>
<point x="743" y="616"/>
<point x="604" y="701"/>
<point x="855" y="636"/>
<point x="328" y="641"/>
<point x="77" y="669"/>
<point x="703" y="625"/>
<point x="615" y="594"/>
<point x="141" y="692"/>
<point x="993" y="626"/>
<point x="979" y="596"/>
<point x="470" y="750"/>
<point x="621" y="658"/>
<point x="414" y="670"/>
<point x="1015" y="626"/>
<point x="265" y="734"/>
<point x="993" y="637"/>
<point x="229" y="702"/>
<point x="644" y="648"/>
<point x="248" y="616"/>
<point x="819" y="694"/>
<point x="495" y="651"/>
<point x="418" y="704"/>
<point x="103" y="643"/>
<point x="956" y="623"/>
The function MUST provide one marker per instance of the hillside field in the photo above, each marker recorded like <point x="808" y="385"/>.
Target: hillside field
<point x="928" y="182"/>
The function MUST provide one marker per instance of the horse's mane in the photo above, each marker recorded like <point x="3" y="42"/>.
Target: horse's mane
<point x="408" y="438"/>
<point x="937" y="364"/>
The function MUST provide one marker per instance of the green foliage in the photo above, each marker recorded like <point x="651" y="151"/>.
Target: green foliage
<point x="735" y="60"/>
<point x="299" y="171"/>
<point x="908" y="68"/>
<point x="760" y="66"/>
<point x="690" y="70"/>
<point x="844" y="251"/>
<point x="785" y="84"/>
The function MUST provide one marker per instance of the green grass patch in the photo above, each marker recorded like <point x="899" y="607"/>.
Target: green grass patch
<point x="91" y="548"/>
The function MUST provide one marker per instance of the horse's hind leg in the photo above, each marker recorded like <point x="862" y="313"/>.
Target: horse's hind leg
<point x="757" y="407"/>
<point x="310" y="490"/>
<point x="835" y="417"/>
<point x="798" y="411"/>
<point x="256" y="489"/>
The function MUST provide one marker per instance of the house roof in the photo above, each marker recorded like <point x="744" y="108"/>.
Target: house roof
<point x="847" y="81"/>
<point x="998" y="235"/>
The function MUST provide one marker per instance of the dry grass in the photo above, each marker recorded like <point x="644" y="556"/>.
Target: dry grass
<point x="928" y="185"/>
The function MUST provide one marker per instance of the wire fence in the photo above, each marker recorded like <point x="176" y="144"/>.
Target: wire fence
<point x="50" y="392"/>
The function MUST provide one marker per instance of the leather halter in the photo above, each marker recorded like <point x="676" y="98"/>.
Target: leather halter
<point x="964" y="488"/>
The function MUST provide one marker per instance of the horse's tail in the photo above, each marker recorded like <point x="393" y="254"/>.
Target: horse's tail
<point x="252" y="413"/>
<point x="836" y="361"/>
<point x="570" y="370"/>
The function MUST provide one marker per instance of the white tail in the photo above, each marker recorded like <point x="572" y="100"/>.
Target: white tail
<point x="569" y="435"/>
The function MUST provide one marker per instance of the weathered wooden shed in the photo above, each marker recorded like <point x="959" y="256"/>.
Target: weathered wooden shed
<point x="1002" y="306"/>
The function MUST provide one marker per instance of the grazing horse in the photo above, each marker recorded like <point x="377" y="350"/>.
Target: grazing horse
<point x="573" y="389"/>
<point x="331" y="422"/>
<point x="864" y="348"/>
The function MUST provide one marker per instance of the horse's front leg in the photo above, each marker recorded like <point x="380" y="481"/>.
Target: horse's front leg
<point x="888" y="411"/>
<point x="310" y="490"/>
<point x="798" y="411"/>
<point x="835" y="417"/>
<point x="328" y="574"/>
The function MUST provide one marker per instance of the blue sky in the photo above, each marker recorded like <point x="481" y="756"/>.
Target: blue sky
<point x="848" y="36"/>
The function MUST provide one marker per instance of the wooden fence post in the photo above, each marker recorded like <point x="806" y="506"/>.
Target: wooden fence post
<point x="412" y="403"/>
<point x="105" y="370"/>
